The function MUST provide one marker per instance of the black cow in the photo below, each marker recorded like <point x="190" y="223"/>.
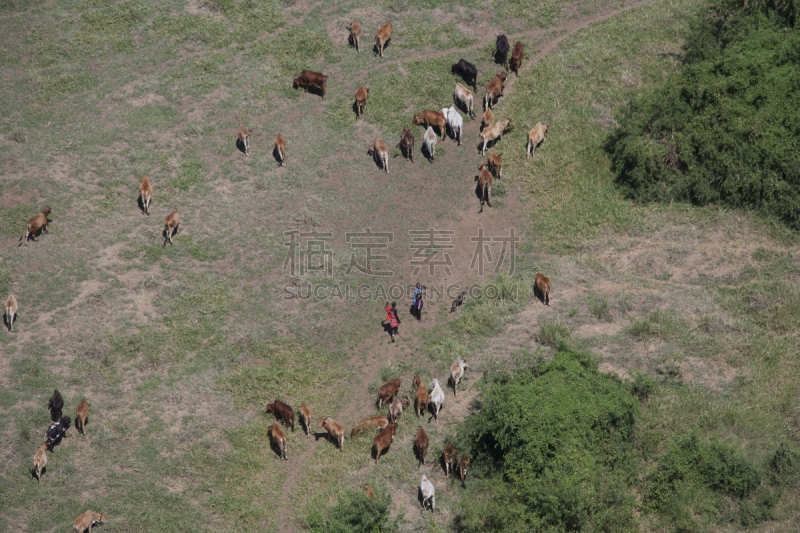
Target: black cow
<point x="56" y="432"/>
<point x="502" y="50"/>
<point x="467" y="71"/>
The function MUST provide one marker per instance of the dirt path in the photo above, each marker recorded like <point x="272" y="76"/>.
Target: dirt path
<point x="565" y="29"/>
<point x="495" y="222"/>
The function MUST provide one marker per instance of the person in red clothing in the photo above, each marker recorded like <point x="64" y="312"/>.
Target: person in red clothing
<point x="392" y="319"/>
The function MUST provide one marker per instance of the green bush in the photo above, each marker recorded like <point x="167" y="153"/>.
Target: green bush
<point x="692" y="464"/>
<point x="723" y="130"/>
<point x="555" y="442"/>
<point x="355" y="513"/>
<point x="785" y="465"/>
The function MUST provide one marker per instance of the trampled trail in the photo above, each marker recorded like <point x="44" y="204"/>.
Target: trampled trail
<point x="379" y="352"/>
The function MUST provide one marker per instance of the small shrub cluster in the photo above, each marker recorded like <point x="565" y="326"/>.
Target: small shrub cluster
<point x="355" y="513"/>
<point x="707" y="480"/>
<point x="555" y="442"/>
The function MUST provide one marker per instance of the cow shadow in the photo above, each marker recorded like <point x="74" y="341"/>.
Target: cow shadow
<point x="426" y="154"/>
<point x="140" y="203"/>
<point x="8" y="323"/>
<point x="354" y="107"/>
<point x="38" y="233"/>
<point x="322" y="435"/>
<point x="33" y="473"/>
<point x="276" y="155"/>
<point x="167" y="231"/>
<point x="276" y="448"/>
<point x="385" y="46"/>
<point x="376" y="159"/>
<point x="240" y="146"/>
<point x="317" y="91"/>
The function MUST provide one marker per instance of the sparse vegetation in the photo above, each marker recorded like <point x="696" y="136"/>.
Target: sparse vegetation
<point x="178" y="349"/>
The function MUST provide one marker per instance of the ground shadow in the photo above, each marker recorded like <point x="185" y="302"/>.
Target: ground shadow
<point x="385" y="46"/>
<point x="425" y="153"/>
<point x="140" y="203"/>
<point x="240" y="145"/>
<point x="8" y="324"/>
<point x="33" y="473"/>
<point x="276" y="448"/>
<point x="276" y="155"/>
<point x="167" y="239"/>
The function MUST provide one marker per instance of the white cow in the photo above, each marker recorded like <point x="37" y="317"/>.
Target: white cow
<point x="455" y="121"/>
<point x="428" y="493"/>
<point x="430" y="142"/>
<point x="437" y="398"/>
<point x="457" y="372"/>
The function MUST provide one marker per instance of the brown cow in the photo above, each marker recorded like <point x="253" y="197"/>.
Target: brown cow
<point x="450" y="460"/>
<point x="86" y="521"/>
<point x="40" y="461"/>
<point x="485" y="185"/>
<point x="12" y="311"/>
<point x="146" y="193"/>
<point x="370" y="492"/>
<point x="282" y="412"/>
<point x="280" y="147"/>
<point x="355" y="34"/>
<point x="494" y="132"/>
<point x="379" y="422"/>
<point x="495" y="164"/>
<point x="36" y="223"/>
<point x="362" y="93"/>
<point x="488" y="119"/>
<point x="381" y="151"/>
<point x="334" y="430"/>
<point x="387" y="391"/>
<point x="431" y="118"/>
<point x="244" y="138"/>
<point x="277" y="436"/>
<point x="309" y="77"/>
<point x="516" y="58"/>
<point x="82" y="416"/>
<point x="462" y="470"/>
<point x="535" y="138"/>
<point x="171" y="223"/>
<point x="421" y="444"/>
<point x="406" y="143"/>
<point x="383" y="440"/>
<point x="383" y="36"/>
<point x="494" y="90"/>
<point x="305" y="418"/>
<point x="542" y="285"/>
<point x="421" y="398"/>
<point x="396" y="409"/>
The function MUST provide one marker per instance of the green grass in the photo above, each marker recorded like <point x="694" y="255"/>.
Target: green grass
<point x="179" y="348"/>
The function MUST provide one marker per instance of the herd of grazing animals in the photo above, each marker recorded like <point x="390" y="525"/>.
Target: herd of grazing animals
<point x="423" y="399"/>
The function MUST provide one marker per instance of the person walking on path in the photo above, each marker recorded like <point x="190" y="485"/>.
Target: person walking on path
<point x="392" y="319"/>
<point x="418" y="303"/>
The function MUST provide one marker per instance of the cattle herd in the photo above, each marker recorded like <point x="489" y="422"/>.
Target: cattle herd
<point x="424" y="400"/>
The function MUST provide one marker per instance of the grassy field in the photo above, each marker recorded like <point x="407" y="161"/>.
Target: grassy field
<point x="179" y="348"/>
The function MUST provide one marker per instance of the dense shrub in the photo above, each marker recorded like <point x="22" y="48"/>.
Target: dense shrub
<point x="355" y="513"/>
<point x="785" y="465"/>
<point x="554" y="443"/>
<point x="701" y="481"/>
<point x="714" y="464"/>
<point x="725" y="129"/>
